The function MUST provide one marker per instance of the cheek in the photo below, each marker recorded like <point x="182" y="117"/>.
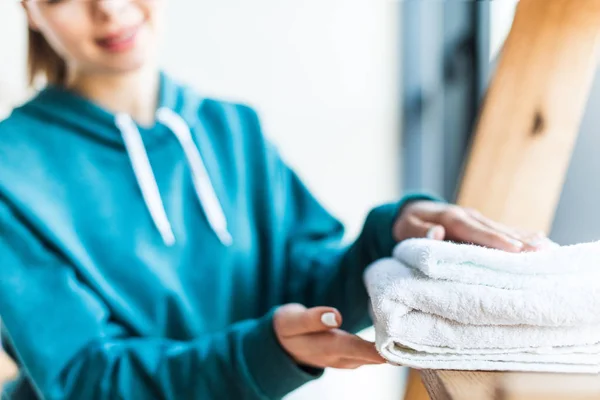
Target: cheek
<point x="154" y="13"/>
<point x="68" y="39"/>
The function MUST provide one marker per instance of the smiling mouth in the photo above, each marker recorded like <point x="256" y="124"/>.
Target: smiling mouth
<point x="119" y="41"/>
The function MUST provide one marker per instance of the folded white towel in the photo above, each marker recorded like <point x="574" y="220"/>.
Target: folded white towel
<point x="483" y="266"/>
<point x="430" y="323"/>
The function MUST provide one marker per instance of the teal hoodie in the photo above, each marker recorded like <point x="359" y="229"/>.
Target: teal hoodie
<point x="142" y="263"/>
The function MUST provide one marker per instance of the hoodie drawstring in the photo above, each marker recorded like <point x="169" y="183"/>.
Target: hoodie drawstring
<point x="145" y="176"/>
<point x="204" y="188"/>
<point x="147" y="182"/>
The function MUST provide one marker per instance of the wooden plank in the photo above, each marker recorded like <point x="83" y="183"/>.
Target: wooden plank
<point x="532" y="113"/>
<point x="460" y="385"/>
<point x="415" y="389"/>
<point x="464" y="385"/>
<point x="548" y="387"/>
<point x="526" y="133"/>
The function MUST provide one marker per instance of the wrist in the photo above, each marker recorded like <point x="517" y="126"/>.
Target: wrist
<point x="263" y="357"/>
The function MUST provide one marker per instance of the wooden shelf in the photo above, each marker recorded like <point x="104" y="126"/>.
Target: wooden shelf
<point x="463" y="385"/>
<point x="519" y="158"/>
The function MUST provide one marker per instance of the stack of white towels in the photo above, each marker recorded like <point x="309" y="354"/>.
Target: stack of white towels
<point x="442" y="305"/>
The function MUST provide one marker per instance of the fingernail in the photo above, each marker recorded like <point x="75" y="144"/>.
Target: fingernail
<point x="517" y="243"/>
<point x="537" y="240"/>
<point x="329" y="319"/>
<point x="431" y="232"/>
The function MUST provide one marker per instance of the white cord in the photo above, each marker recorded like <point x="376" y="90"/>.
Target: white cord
<point x="145" y="176"/>
<point x="202" y="184"/>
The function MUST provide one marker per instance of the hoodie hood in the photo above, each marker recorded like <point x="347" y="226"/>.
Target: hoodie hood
<point x="176" y="112"/>
<point x="60" y="104"/>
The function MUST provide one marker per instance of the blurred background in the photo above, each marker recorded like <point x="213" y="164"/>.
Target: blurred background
<point x="365" y="99"/>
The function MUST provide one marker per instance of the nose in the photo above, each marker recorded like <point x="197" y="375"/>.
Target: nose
<point x="111" y="7"/>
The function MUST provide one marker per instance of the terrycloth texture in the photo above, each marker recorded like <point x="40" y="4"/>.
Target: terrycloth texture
<point x="424" y="322"/>
<point x="490" y="267"/>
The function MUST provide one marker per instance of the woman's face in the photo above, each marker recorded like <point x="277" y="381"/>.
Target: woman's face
<point x="99" y="36"/>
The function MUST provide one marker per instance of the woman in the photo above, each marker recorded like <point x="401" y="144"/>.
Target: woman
<point x="148" y="236"/>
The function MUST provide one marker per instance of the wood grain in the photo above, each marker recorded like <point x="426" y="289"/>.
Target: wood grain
<point x="524" y="140"/>
<point x="460" y="385"/>
<point x="532" y="113"/>
<point x="464" y="385"/>
<point x="415" y="388"/>
<point x="548" y="387"/>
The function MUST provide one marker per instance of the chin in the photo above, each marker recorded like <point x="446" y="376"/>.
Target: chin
<point x="129" y="67"/>
<point x="123" y="62"/>
<point x="121" y="65"/>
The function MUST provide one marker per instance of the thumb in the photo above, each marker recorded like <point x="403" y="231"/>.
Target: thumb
<point x="418" y="228"/>
<point x="295" y="319"/>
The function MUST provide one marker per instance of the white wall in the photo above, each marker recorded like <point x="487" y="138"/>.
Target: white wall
<point x="12" y="55"/>
<point x="322" y="75"/>
<point x="577" y="218"/>
<point x="502" y="13"/>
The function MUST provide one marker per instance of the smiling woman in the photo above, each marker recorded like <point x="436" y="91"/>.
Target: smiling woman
<point x="181" y="256"/>
<point x="60" y="33"/>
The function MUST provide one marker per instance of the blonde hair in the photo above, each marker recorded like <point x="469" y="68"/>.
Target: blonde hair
<point x="43" y="61"/>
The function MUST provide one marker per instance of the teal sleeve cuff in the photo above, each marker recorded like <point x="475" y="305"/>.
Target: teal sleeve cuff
<point x="381" y="221"/>
<point x="273" y="371"/>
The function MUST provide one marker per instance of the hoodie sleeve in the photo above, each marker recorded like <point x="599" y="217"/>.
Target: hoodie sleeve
<point x="70" y="347"/>
<point x="323" y="270"/>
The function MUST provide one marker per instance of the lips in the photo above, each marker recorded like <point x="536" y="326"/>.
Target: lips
<point x="120" y="41"/>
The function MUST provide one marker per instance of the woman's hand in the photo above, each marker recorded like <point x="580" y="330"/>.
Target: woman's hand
<point x="311" y="338"/>
<point x="442" y="221"/>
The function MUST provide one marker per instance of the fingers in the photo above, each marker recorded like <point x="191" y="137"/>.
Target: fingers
<point x="532" y="241"/>
<point x="344" y="345"/>
<point x="310" y="338"/>
<point x="537" y="241"/>
<point x="295" y="319"/>
<point x="348" y="363"/>
<point x="484" y="236"/>
<point x="498" y="227"/>
<point x="447" y="222"/>
<point x="466" y="228"/>
<point x="414" y="227"/>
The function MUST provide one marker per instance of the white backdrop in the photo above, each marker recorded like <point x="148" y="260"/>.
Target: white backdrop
<point x="323" y="75"/>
